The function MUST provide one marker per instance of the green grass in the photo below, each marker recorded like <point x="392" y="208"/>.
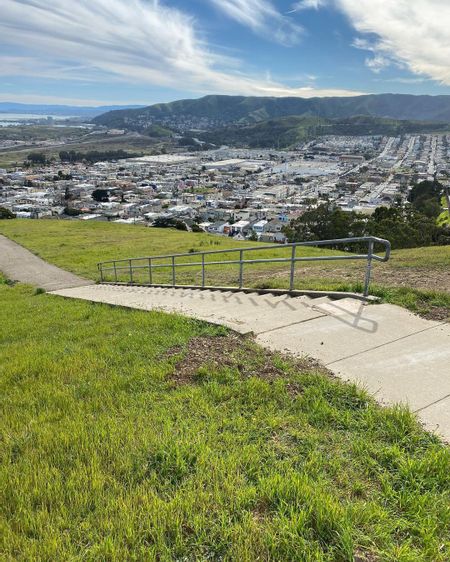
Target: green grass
<point x="416" y="278"/>
<point x="78" y="246"/>
<point x="104" y="456"/>
<point x="444" y="218"/>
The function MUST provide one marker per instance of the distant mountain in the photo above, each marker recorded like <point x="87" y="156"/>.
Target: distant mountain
<point x="60" y="110"/>
<point x="211" y="112"/>
<point x="284" y="132"/>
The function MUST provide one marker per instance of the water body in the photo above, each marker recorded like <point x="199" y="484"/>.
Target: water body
<point x="16" y="119"/>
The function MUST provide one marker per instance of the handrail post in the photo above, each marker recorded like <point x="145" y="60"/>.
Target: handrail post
<point x="117" y="266"/>
<point x="368" y="268"/>
<point x="291" y="280"/>
<point x="241" y="268"/>
<point x="203" y="271"/>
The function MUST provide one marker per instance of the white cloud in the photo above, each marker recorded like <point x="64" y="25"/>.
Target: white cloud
<point x="409" y="33"/>
<point x="413" y="32"/>
<point x="377" y="63"/>
<point x="131" y="40"/>
<point x="262" y="18"/>
<point x="308" y="5"/>
<point x="55" y="100"/>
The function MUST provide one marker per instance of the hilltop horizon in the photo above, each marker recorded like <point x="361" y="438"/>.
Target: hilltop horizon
<point x="12" y="106"/>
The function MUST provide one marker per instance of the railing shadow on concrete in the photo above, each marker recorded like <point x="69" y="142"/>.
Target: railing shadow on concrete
<point x="350" y="318"/>
<point x="125" y="271"/>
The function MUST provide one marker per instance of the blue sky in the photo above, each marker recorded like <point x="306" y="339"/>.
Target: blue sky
<point x="92" y="52"/>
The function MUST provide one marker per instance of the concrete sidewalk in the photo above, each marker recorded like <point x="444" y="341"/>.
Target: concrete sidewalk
<point x="395" y="355"/>
<point x="19" y="264"/>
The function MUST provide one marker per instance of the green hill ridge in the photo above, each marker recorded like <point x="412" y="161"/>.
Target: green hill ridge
<point x="220" y="110"/>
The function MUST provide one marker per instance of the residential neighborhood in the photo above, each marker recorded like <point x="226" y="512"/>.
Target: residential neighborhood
<point x="240" y="193"/>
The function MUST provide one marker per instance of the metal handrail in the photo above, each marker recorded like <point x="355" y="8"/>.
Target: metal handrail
<point x="293" y="259"/>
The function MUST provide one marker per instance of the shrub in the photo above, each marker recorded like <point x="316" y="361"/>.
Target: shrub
<point x="6" y="214"/>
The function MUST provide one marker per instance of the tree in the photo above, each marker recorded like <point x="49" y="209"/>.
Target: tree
<point x="37" y="158"/>
<point x="425" y="190"/>
<point x="169" y="222"/>
<point x="93" y="156"/>
<point x="403" y="227"/>
<point x="163" y="222"/>
<point x="324" y="223"/>
<point x="6" y="214"/>
<point x="180" y="225"/>
<point x="100" y="195"/>
<point x="425" y="197"/>
<point x="71" y="212"/>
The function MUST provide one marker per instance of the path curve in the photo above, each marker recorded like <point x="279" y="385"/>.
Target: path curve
<point x="19" y="264"/>
<point x="395" y="355"/>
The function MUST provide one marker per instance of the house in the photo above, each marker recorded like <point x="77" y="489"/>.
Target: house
<point x="240" y="226"/>
<point x="274" y="238"/>
<point x="218" y="227"/>
<point x="258" y="227"/>
<point x="274" y="226"/>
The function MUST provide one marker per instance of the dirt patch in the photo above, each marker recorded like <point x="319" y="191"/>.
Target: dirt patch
<point x="361" y="556"/>
<point x="431" y="278"/>
<point x="232" y="351"/>
<point x="425" y="278"/>
<point x="438" y="313"/>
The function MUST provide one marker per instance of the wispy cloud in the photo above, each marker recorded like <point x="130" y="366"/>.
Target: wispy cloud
<point x="377" y="63"/>
<point x="262" y="18"/>
<point x="307" y="5"/>
<point x="415" y="33"/>
<point x="404" y="80"/>
<point x="131" y="40"/>
<point x="410" y="33"/>
<point x="56" y="100"/>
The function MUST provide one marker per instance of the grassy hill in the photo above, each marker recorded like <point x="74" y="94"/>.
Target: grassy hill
<point x="287" y="131"/>
<point x="417" y="278"/>
<point x="222" y="110"/>
<point x="129" y="435"/>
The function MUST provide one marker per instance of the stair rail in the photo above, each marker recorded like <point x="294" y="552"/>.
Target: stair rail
<point x="127" y="268"/>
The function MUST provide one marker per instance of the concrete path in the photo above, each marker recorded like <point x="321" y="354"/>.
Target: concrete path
<point x="19" y="264"/>
<point x="395" y="355"/>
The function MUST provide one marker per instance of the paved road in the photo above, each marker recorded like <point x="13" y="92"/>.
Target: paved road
<point x="19" y="264"/>
<point x="395" y="355"/>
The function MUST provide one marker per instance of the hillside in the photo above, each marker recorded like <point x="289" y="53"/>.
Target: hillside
<point x="417" y="278"/>
<point x="217" y="110"/>
<point x="130" y="435"/>
<point x="286" y="131"/>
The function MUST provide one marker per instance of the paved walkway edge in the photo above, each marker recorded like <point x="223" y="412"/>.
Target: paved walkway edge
<point x="393" y="354"/>
<point x="19" y="264"/>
